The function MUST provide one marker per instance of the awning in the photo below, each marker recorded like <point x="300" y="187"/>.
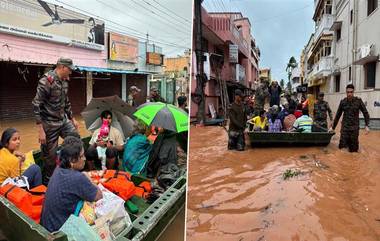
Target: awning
<point x="106" y="70"/>
<point x="336" y="25"/>
<point x="366" y="60"/>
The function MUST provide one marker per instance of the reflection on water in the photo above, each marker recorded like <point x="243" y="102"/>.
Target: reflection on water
<point x="243" y="196"/>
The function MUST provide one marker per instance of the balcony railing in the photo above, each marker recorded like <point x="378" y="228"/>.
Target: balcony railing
<point x="324" y="25"/>
<point x="323" y="68"/>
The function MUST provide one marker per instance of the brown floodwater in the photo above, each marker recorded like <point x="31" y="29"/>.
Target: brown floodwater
<point x="243" y="195"/>
<point x="29" y="141"/>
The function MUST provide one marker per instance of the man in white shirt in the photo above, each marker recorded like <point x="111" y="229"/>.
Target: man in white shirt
<point x="104" y="147"/>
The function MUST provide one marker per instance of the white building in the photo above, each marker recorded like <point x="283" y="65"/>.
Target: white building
<point x="345" y="50"/>
<point x="295" y="78"/>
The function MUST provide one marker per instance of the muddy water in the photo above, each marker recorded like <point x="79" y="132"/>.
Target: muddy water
<point x="243" y="196"/>
<point x="29" y="141"/>
<point x="29" y="132"/>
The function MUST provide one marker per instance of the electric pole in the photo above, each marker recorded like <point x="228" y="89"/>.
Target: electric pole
<point x="199" y="97"/>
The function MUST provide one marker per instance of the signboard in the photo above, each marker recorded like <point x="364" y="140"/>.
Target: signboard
<point x="122" y="48"/>
<point x="302" y="88"/>
<point x="41" y="20"/>
<point x="154" y="58"/>
<point x="240" y="73"/>
<point x="234" y="53"/>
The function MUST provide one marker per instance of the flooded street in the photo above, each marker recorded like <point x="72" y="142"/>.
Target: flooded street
<point x="243" y="195"/>
<point x="29" y="141"/>
<point x="29" y="132"/>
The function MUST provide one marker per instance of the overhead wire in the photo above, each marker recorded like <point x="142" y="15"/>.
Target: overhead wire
<point x="139" y="35"/>
<point x="174" y="13"/>
<point x="159" y="17"/>
<point x="165" y="13"/>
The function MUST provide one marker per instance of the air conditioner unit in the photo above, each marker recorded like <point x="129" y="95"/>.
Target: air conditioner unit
<point x="365" y="51"/>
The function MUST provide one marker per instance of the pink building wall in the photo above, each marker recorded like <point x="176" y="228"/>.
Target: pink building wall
<point x="19" y="49"/>
<point x="224" y="26"/>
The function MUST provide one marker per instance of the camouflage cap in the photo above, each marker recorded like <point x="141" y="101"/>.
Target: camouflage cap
<point x="66" y="62"/>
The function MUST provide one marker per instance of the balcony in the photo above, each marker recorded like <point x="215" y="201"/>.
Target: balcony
<point x="323" y="68"/>
<point x="324" y="25"/>
<point x="296" y="73"/>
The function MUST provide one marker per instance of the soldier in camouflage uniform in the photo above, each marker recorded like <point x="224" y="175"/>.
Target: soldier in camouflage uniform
<point x="350" y="107"/>
<point x="52" y="110"/>
<point x="321" y="109"/>
<point x="260" y="95"/>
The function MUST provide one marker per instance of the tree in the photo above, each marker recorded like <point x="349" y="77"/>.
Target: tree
<point x="282" y="83"/>
<point x="290" y="66"/>
<point x="289" y="86"/>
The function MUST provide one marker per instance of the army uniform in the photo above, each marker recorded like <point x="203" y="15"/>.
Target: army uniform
<point x="52" y="109"/>
<point x="349" y="133"/>
<point x="321" y="108"/>
<point x="238" y="119"/>
<point x="260" y="95"/>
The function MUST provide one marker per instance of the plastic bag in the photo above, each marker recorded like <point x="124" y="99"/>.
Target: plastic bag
<point x="112" y="205"/>
<point x="21" y="181"/>
<point x="77" y="229"/>
<point x="102" y="227"/>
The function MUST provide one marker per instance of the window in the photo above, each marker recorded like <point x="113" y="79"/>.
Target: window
<point x="338" y="34"/>
<point x="337" y="83"/>
<point x="328" y="7"/>
<point x="349" y="74"/>
<point x="351" y="16"/>
<point x="370" y="75"/>
<point x="371" y="6"/>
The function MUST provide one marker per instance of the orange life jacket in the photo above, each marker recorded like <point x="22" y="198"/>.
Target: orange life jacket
<point x="143" y="189"/>
<point x="121" y="186"/>
<point x="30" y="204"/>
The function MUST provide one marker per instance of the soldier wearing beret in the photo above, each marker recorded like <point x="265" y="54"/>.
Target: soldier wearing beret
<point x="52" y="110"/>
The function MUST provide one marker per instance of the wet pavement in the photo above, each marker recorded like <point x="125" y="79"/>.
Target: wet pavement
<point x="243" y="195"/>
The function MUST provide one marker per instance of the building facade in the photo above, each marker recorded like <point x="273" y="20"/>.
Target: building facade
<point x="31" y="44"/>
<point x="231" y="58"/>
<point x="343" y="50"/>
<point x="177" y="69"/>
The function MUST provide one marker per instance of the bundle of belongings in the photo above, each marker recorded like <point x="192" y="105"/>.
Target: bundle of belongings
<point x="100" y="221"/>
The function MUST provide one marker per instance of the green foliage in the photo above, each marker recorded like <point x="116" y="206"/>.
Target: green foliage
<point x="289" y="173"/>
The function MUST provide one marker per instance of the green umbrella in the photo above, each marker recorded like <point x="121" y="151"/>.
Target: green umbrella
<point x="163" y="115"/>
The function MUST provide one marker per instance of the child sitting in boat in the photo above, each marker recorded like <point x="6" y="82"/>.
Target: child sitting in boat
<point x="103" y="140"/>
<point x="304" y="123"/>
